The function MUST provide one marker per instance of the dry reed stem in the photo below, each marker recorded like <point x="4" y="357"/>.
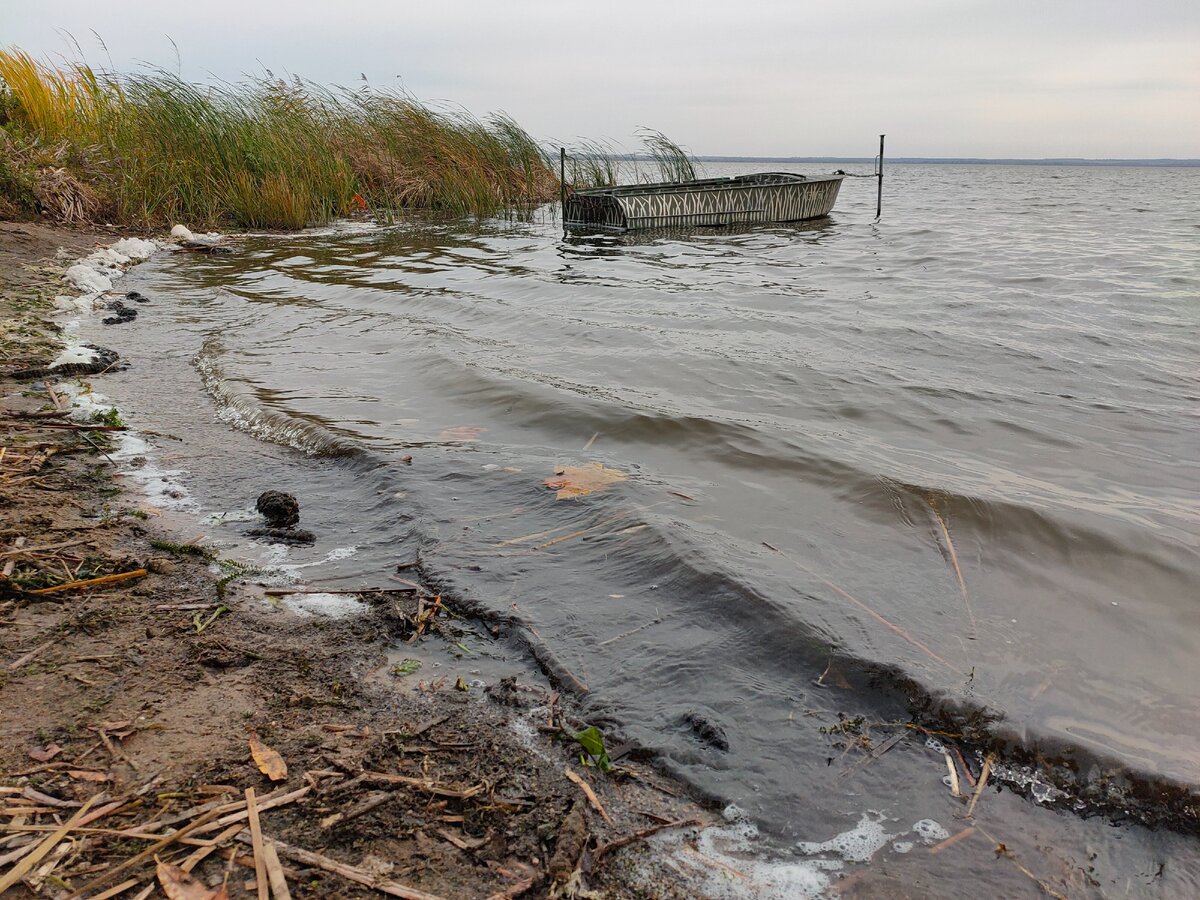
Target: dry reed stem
<point x="953" y="839"/>
<point x="19" y="871"/>
<point x="256" y="841"/>
<point x="954" y="786"/>
<point x="962" y="585"/>
<point x="981" y="784"/>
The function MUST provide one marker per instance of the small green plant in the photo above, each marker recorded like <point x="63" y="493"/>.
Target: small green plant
<point x="109" y="417"/>
<point x="406" y="667"/>
<point x="202" y="623"/>
<point x="591" y="739"/>
<point x="185" y="549"/>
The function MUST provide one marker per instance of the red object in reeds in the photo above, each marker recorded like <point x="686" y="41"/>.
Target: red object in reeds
<point x="358" y="199"/>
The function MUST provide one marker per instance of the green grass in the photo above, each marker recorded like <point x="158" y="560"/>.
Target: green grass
<point x="154" y="149"/>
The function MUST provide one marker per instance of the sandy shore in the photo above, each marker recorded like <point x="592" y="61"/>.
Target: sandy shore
<point x="135" y="686"/>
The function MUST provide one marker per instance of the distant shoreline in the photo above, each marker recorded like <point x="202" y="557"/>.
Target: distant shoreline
<point x="953" y="161"/>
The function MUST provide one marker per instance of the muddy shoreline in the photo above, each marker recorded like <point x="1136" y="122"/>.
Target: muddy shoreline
<point x="143" y="691"/>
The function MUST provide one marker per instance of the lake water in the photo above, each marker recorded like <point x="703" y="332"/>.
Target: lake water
<point x="952" y="455"/>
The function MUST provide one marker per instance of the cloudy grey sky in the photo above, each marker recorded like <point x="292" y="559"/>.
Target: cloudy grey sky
<point x="1020" y="78"/>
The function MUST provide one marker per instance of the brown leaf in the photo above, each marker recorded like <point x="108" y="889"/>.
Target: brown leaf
<point x="462" y="433"/>
<point x="579" y="481"/>
<point x="180" y="885"/>
<point x="46" y="754"/>
<point x="268" y="761"/>
<point x="87" y="775"/>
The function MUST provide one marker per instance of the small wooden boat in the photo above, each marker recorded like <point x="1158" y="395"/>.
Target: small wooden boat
<point x="740" y="200"/>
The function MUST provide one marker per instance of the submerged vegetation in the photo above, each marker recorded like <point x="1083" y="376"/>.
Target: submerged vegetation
<point x="80" y="145"/>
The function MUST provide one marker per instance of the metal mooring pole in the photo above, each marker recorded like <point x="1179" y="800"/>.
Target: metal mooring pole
<point x="562" y="182"/>
<point x="879" y="172"/>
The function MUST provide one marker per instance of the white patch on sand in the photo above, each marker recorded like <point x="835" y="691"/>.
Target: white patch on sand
<point x="526" y="732"/>
<point x="74" y="353"/>
<point x="87" y="279"/>
<point x="183" y="233"/>
<point x="137" y="249"/>
<point x="95" y="273"/>
<point x="86" y="303"/>
<point x="332" y="606"/>
<point x="107" y="258"/>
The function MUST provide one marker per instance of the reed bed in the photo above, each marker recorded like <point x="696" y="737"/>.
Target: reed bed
<point x="153" y="149"/>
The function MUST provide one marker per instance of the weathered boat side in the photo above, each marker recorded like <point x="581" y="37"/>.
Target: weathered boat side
<point x="745" y="199"/>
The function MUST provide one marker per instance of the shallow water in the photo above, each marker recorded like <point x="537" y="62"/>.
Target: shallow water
<point x="961" y="442"/>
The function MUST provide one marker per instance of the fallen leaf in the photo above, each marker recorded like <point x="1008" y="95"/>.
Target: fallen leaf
<point x="268" y="761"/>
<point x="85" y="775"/>
<point x="579" y="481"/>
<point x="180" y="885"/>
<point x="461" y="685"/>
<point x="46" y="754"/>
<point x="462" y="433"/>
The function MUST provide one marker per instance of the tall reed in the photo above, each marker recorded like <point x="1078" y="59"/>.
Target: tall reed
<point x="674" y="163"/>
<point x="268" y="153"/>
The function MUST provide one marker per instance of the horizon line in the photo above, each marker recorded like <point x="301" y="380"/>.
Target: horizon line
<point x="1016" y="160"/>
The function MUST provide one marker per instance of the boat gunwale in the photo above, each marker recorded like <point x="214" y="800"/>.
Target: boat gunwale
<point x="735" y="182"/>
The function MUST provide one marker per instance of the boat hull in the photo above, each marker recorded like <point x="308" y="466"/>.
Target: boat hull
<point x="747" y="199"/>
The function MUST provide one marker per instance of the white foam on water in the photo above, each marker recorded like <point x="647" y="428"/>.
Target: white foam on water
<point x="332" y="606"/>
<point x="1027" y="779"/>
<point x="161" y="487"/>
<point x="727" y="864"/>
<point x="902" y="846"/>
<point x="858" y="844"/>
<point x="278" y="571"/>
<point x="245" y="514"/>
<point x="930" y="831"/>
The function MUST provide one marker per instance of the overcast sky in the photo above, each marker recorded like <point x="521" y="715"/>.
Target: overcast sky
<point x="1017" y="78"/>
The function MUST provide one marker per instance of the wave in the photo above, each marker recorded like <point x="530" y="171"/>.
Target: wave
<point x="238" y="408"/>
